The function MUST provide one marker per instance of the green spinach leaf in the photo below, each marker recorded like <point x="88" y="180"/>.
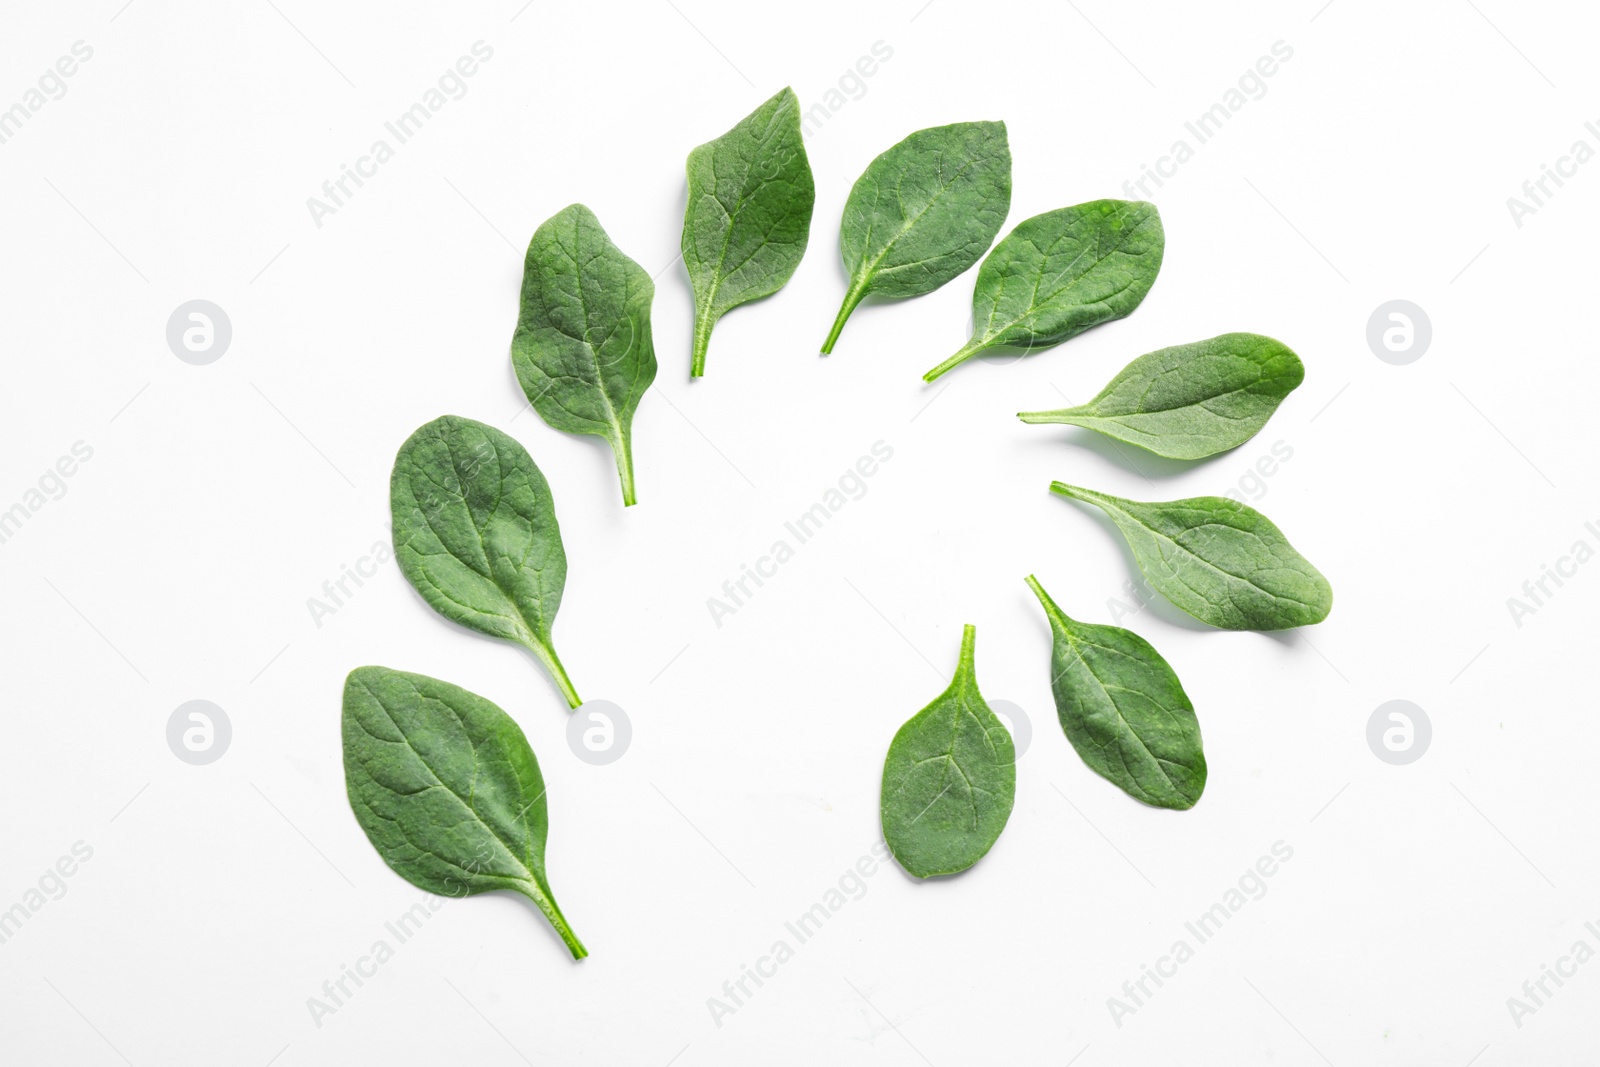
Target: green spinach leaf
<point x="582" y="349"/>
<point x="1124" y="710"/>
<point x="1190" y="401"/>
<point x="447" y="789"/>
<point x="748" y="215"/>
<point x="949" y="780"/>
<point x="1223" y="562"/>
<point x="475" y="532"/>
<point x="1060" y="273"/>
<point x="923" y="212"/>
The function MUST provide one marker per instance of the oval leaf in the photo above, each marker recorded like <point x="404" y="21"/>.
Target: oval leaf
<point x="923" y="212"/>
<point x="582" y="349"/>
<point x="1060" y="273"/>
<point x="1124" y="710"/>
<point x="447" y="789"/>
<point x="748" y="215"/>
<point x="1190" y="401"/>
<point x="475" y="532"/>
<point x="949" y="780"/>
<point x="1223" y="562"/>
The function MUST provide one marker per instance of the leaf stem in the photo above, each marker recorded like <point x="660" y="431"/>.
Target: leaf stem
<point x="558" y="673"/>
<point x="548" y="905"/>
<point x="969" y="644"/>
<point x="702" y="338"/>
<point x="968" y="350"/>
<point x="858" y="289"/>
<point x="622" y="447"/>
<point x="1058" y="415"/>
<point x="1049" y="605"/>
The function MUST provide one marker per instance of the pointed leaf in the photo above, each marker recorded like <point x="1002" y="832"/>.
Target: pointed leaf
<point x="748" y="215"/>
<point x="475" y="532"/>
<point x="447" y="789"/>
<point x="1124" y="710"/>
<point x="949" y="780"/>
<point x="582" y="349"/>
<point x="923" y="212"/>
<point x="1060" y="273"/>
<point x="1190" y="401"/>
<point x="1223" y="562"/>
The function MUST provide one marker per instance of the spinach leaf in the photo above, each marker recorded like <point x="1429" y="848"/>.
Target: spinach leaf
<point x="949" y="780"/>
<point x="1124" y="710"/>
<point x="923" y="212"/>
<point x="475" y="532"/>
<point x="1223" y="562"/>
<point x="748" y="215"/>
<point x="447" y="789"/>
<point x="1060" y="273"/>
<point x="582" y="349"/>
<point x="1190" y="401"/>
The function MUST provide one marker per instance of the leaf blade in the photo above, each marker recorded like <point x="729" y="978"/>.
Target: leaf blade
<point x="1221" y="561"/>
<point x="1190" y="401"/>
<point x="1123" y="709"/>
<point x="583" y="349"/>
<point x="1061" y="273"/>
<point x="923" y="212"/>
<point x="936" y="822"/>
<point x="748" y="214"/>
<point x="475" y="533"/>
<point x="446" y="788"/>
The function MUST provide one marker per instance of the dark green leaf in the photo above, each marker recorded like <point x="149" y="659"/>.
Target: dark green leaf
<point x="748" y="214"/>
<point x="447" y="789"/>
<point x="475" y="531"/>
<point x="1060" y="273"/>
<point x="582" y="348"/>
<point x="1190" y="401"/>
<point x="949" y="780"/>
<point x="1124" y="710"/>
<point x="923" y="212"/>
<point x="1221" y="561"/>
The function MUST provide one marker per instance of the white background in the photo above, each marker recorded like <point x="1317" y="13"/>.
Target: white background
<point x="219" y="498"/>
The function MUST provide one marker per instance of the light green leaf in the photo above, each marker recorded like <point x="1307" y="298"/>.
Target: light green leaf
<point x="949" y="780"/>
<point x="1124" y="710"/>
<point x="748" y="215"/>
<point x="1223" y="562"/>
<point x="1060" y="273"/>
<point x="1190" y="401"/>
<point x="582" y="349"/>
<point x="447" y="789"/>
<point x="475" y="532"/>
<point x="923" y="212"/>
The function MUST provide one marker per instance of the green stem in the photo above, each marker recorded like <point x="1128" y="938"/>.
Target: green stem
<point x="558" y="673"/>
<point x="622" y="448"/>
<point x="558" y="920"/>
<point x="968" y="350"/>
<point x="969" y="644"/>
<point x="851" y="299"/>
<point x="1060" y="415"/>
<point x="702" y="338"/>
